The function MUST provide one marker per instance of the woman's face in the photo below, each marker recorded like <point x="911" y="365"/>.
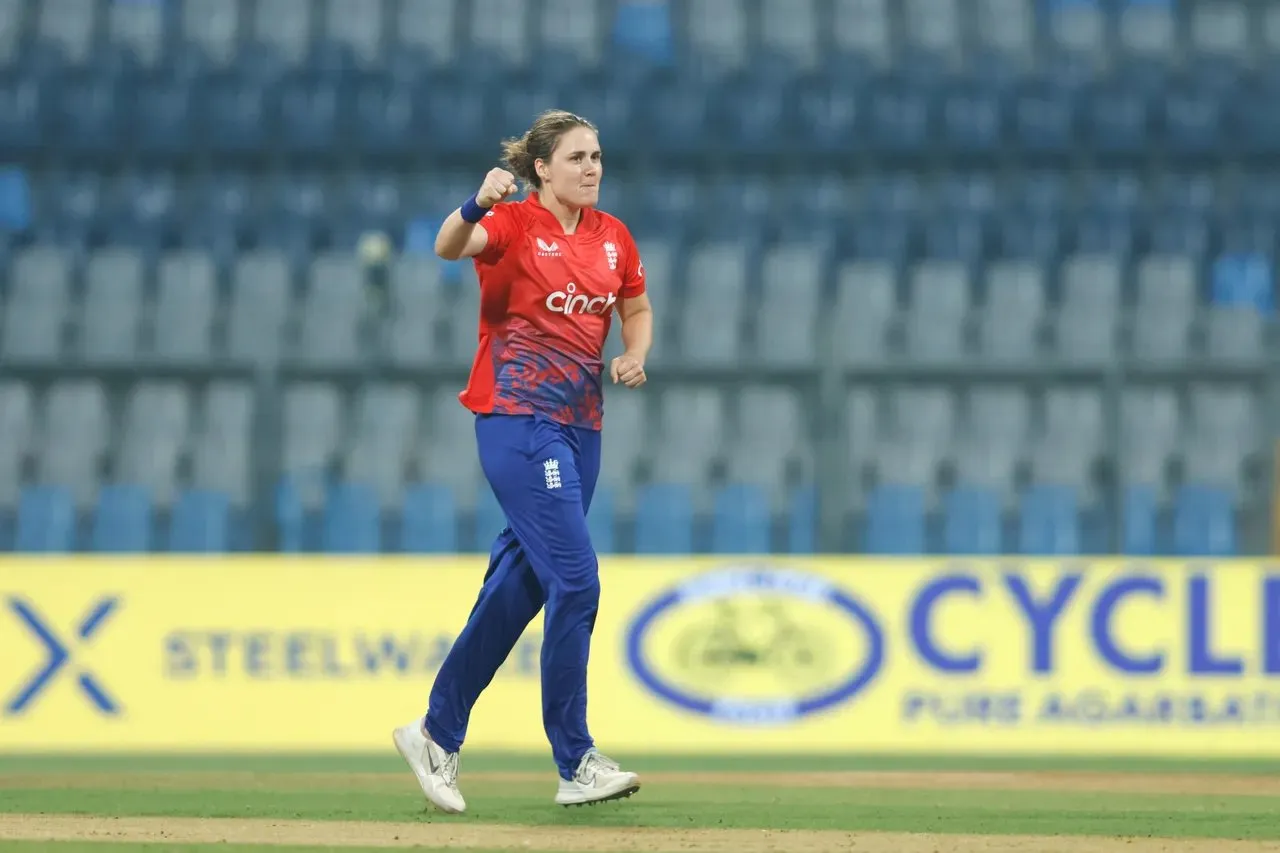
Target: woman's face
<point x="573" y="173"/>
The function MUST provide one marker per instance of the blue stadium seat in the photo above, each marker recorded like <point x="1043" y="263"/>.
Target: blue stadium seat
<point x="887" y="237"/>
<point x="1140" y="521"/>
<point x="8" y="529"/>
<point x="1193" y="120"/>
<point x="754" y="116"/>
<point x="162" y="117"/>
<point x="802" y="521"/>
<point x="1114" y="192"/>
<point x="1204" y="523"/>
<point x="352" y="520"/>
<point x="741" y="520"/>
<point x="972" y="120"/>
<point x="490" y="520"/>
<point x="1118" y="120"/>
<point x="429" y="520"/>
<point x="901" y="120"/>
<point x="46" y="520"/>
<point x="1030" y="236"/>
<point x="1105" y="233"/>
<point x="829" y="117"/>
<point x="455" y="115"/>
<point x="291" y="519"/>
<point x="15" y="200"/>
<point x="955" y="236"/>
<point x="612" y="111"/>
<point x="1050" y="522"/>
<point x="74" y="205"/>
<point x="664" y="519"/>
<point x="1044" y="118"/>
<point x="201" y="523"/>
<point x="88" y="118"/>
<point x="895" y="522"/>
<point x="602" y="520"/>
<point x="308" y="116"/>
<point x="1247" y="233"/>
<point x="144" y="210"/>
<point x="1180" y="233"/>
<point x="1221" y="75"/>
<point x="518" y="104"/>
<point x="642" y="30"/>
<point x="24" y="115"/>
<point x="1243" y="279"/>
<point x="122" y="522"/>
<point x="972" y="522"/>
<point x="233" y="116"/>
<point x="674" y="116"/>
<point x="1260" y="194"/>
<point x="1255" y="119"/>
<point x="385" y="119"/>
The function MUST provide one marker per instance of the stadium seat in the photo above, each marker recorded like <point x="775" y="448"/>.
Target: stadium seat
<point x="1204" y="522"/>
<point x="490" y="520"/>
<point x="895" y="522"/>
<point x="1050" y="522"/>
<point x="290" y="518"/>
<point x="46" y="520"/>
<point x="972" y="522"/>
<point x="664" y="519"/>
<point x="1193" y="120"/>
<point x="352" y="522"/>
<point x="429" y="520"/>
<point x="741" y="520"/>
<point x="1140" y="523"/>
<point x="901" y="121"/>
<point x="1243" y="280"/>
<point x="643" y="30"/>
<point x="1044" y="118"/>
<point x="803" y="521"/>
<point x="15" y="200"/>
<point x="122" y="522"/>
<point x="602" y="520"/>
<point x="201" y="523"/>
<point x="973" y="120"/>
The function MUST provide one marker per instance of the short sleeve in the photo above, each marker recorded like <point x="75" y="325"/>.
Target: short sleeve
<point x="633" y="283"/>
<point x="501" y="225"/>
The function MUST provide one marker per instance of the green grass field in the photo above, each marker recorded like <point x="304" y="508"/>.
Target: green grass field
<point x="114" y="805"/>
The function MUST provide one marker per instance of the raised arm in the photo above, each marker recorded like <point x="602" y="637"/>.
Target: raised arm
<point x="461" y="235"/>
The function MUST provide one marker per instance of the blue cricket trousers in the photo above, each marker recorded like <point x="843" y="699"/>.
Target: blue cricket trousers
<point x="543" y="475"/>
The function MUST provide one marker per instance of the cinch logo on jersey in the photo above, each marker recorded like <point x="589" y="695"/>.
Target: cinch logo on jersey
<point x="569" y="301"/>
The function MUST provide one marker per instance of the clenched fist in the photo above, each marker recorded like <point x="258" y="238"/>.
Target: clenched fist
<point x="498" y="184"/>
<point x="629" y="370"/>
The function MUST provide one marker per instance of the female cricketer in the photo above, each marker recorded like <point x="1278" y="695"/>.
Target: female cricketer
<point x="552" y="271"/>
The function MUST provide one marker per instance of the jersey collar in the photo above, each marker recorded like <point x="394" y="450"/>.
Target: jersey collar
<point x="587" y="221"/>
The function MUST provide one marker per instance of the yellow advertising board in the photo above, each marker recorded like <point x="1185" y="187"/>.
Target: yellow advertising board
<point x="689" y="655"/>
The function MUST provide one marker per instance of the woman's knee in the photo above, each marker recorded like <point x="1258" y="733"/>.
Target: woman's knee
<point x="582" y="584"/>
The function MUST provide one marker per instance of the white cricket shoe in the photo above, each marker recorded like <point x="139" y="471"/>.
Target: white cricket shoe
<point x="437" y="770"/>
<point x="597" y="780"/>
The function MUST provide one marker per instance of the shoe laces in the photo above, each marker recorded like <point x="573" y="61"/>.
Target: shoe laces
<point x="595" y="763"/>
<point x="448" y="767"/>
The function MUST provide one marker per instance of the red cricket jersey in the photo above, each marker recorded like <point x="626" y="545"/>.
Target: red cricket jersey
<point x="546" y="303"/>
